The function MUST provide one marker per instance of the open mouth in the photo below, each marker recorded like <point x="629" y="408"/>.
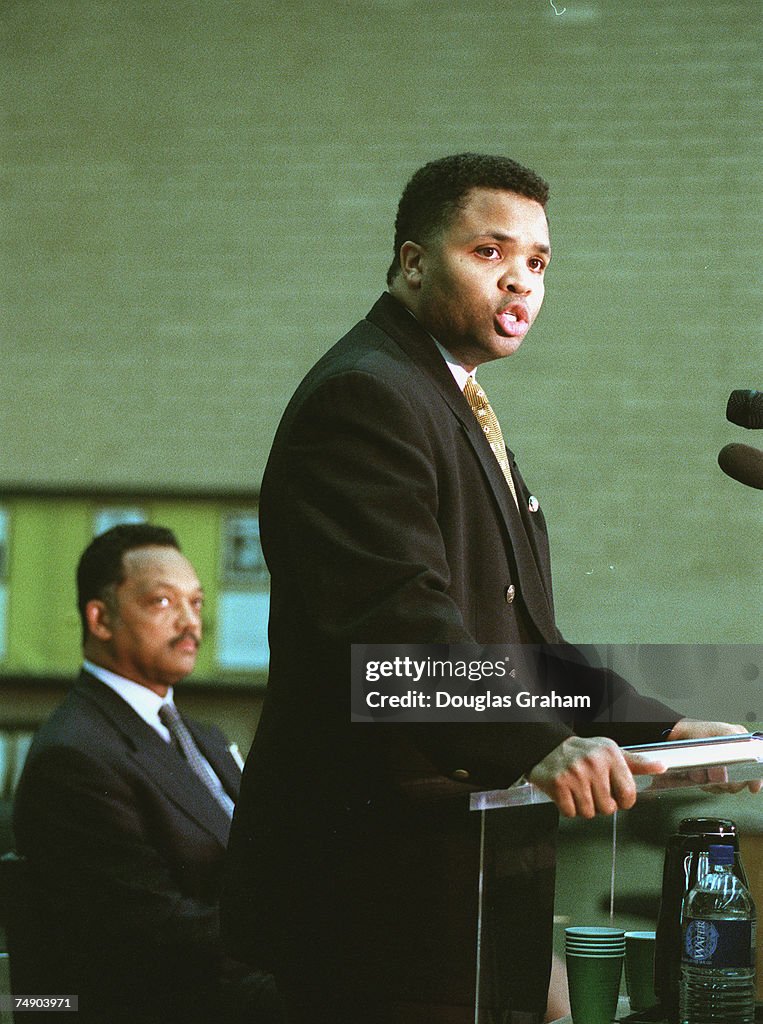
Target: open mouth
<point x="514" y="321"/>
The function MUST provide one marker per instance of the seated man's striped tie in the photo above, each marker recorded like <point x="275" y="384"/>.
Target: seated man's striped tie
<point x="170" y="717"/>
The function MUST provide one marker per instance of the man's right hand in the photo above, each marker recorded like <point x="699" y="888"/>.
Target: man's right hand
<point x="591" y="776"/>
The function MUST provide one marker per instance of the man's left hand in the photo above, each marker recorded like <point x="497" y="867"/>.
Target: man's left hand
<point x="690" y="729"/>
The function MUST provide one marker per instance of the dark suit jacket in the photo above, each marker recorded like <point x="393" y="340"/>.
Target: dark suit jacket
<point x="385" y="518"/>
<point x="124" y="847"/>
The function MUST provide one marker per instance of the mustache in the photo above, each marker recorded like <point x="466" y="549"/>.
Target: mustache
<point x="188" y="634"/>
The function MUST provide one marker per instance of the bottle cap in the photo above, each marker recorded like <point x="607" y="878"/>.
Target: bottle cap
<point x="721" y="854"/>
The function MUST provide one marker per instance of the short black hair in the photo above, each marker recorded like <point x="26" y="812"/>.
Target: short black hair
<point x="101" y="566"/>
<point x="437" y="189"/>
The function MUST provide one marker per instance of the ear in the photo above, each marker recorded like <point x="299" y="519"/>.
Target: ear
<point x="411" y="259"/>
<point x="98" y="618"/>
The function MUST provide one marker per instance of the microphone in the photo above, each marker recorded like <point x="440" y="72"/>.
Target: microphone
<point x="745" y="408"/>
<point x="742" y="463"/>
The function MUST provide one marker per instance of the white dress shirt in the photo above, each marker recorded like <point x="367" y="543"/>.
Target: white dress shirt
<point x="143" y="701"/>
<point x="460" y="373"/>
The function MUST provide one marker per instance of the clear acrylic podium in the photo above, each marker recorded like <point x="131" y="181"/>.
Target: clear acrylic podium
<point x="684" y="790"/>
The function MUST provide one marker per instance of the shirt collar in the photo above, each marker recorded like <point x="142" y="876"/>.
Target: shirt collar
<point x="143" y="701"/>
<point x="460" y="373"/>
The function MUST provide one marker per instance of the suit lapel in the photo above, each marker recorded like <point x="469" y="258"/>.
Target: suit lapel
<point x="533" y="535"/>
<point x="159" y="760"/>
<point x="218" y="755"/>
<point x="400" y="325"/>
<point x="404" y="329"/>
<point x="181" y="785"/>
<point x="533" y="584"/>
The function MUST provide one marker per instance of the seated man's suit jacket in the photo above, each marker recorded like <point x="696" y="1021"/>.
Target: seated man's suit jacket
<point x="125" y="847"/>
<point x="385" y="518"/>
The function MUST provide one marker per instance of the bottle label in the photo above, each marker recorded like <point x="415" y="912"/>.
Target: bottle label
<point x="718" y="943"/>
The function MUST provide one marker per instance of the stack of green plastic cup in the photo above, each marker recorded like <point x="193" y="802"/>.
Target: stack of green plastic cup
<point x="594" y="968"/>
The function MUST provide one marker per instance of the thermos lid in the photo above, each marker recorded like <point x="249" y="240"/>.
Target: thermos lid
<point x="707" y="827"/>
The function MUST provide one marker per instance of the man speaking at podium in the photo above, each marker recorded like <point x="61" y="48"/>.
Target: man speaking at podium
<point x="393" y="512"/>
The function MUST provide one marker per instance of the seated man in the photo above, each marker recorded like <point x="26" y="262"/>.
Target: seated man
<point x="123" y="811"/>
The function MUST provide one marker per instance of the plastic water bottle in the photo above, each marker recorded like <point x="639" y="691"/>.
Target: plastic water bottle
<point x="718" y="953"/>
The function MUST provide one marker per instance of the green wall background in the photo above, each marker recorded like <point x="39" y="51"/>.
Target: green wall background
<point x="197" y="198"/>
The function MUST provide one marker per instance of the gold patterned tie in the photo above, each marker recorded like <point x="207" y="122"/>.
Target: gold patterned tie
<point x="488" y="420"/>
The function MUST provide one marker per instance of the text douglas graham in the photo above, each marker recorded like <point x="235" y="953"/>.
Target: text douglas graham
<point x="477" y="701"/>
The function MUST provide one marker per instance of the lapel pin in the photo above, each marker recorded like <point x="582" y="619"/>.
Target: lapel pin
<point x="533" y="504"/>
